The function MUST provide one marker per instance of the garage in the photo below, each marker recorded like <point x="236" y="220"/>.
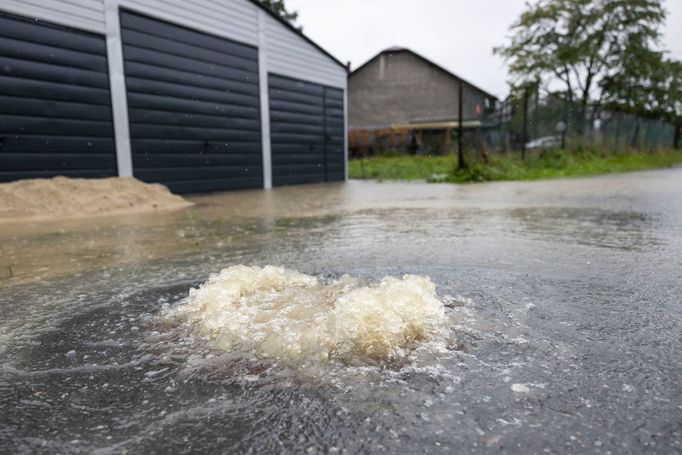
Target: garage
<point x="55" y="104"/>
<point x="199" y="96"/>
<point x="193" y="107"/>
<point x="307" y="124"/>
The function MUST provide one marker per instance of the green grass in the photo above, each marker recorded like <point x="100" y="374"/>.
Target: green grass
<point x="553" y="164"/>
<point x="402" y="167"/>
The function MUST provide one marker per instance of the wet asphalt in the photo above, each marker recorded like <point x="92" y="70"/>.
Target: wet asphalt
<point x="574" y="344"/>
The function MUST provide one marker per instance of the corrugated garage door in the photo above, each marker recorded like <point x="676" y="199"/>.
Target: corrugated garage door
<point x="194" y="107"/>
<point x="55" y="106"/>
<point x="306" y="122"/>
<point x="335" y="134"/>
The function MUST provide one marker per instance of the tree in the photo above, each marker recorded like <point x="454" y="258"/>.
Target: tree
<point x="278" y="7"/>
<point x="648" y="84"/>
<point x="579" y="43"/>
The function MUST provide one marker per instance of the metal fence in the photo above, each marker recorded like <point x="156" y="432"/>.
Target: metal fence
<point x="525" y="123"/>
<point x="536" y="122"/>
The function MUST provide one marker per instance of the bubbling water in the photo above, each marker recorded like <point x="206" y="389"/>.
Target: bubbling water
<point x="285" y="316"/>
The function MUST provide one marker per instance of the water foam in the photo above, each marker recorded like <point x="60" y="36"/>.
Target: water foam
<point x="282" y="315"/>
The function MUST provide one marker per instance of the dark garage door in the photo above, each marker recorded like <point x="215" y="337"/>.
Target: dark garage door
<point x="193" y="104"/>
<point x="55" y="106"/>
<point x="306" y="122"/>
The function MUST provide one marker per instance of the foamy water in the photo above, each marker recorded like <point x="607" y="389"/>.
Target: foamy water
<point x="282" y="315"/>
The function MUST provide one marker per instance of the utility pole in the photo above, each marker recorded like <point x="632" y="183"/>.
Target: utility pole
<point x="525" y="123"/>
<point x="460" y="130"/>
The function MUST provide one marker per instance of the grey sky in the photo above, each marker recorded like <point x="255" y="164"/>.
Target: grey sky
<point x="457" y="34"/>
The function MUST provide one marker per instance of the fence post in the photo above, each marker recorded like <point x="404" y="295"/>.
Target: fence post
<point x="460" y="129"/>
<point x="678" y="135"/>
<point x="618" y="125"/>
<point x="634" y="142"/>
<point x="536" y="109"/>
<point x="525" y="124"/>
<point x="564" y="118"/>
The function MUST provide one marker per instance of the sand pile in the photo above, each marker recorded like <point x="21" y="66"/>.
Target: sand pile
<point x="62" y="197"/>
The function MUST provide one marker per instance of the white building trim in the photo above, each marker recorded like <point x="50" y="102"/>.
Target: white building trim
<point x="264" y="100"/>
<point x="117" y="86"/>
<point x="85" y="15"/>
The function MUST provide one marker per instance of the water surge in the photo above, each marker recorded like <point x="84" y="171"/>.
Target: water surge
<point x="276" y="314"/>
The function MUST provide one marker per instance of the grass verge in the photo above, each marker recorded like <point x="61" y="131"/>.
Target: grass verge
<point x="400" y="167"/>
<point x="551" y="164"/>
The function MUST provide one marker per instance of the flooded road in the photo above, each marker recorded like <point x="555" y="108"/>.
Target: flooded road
<point x="561" y="332"/>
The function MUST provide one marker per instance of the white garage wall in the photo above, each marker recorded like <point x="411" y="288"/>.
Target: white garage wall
<point x="82" y="14"/>
<point x="291" y="55"/>
<point x="288" y="53"/>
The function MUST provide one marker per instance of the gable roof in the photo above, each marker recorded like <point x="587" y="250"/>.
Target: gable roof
<point x="397" y="50"/>
<point x="298" y="32"/>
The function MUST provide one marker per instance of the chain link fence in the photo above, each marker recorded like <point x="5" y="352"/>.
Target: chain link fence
<point x="533" y="122"/>
<point x="525" y="124"/>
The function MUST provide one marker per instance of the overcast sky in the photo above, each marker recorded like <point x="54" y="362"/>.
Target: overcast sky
<point x="457" y="34"/>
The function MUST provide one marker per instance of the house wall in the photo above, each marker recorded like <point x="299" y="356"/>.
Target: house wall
<point x="281" y="50"/>
<point x="400" y="88"/>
